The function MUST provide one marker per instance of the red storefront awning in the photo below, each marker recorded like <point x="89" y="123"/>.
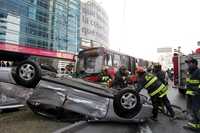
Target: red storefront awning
<point x="10" y="47"/>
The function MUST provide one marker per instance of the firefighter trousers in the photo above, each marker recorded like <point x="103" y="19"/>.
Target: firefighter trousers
<point x="194" y="108"/>
<point x="157" y="101"/>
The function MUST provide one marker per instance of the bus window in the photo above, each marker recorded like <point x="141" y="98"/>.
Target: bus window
<point x="116" y="60"/>
<point x="108" y="60"/>
<point x="133" y="65"/>
<point x="92" y="64"/>
<point x="124" y="60"/>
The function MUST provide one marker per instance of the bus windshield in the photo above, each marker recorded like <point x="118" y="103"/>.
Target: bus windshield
<point x="90" y="64"/>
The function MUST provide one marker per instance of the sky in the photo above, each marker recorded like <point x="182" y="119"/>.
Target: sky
<point x="139" y="27"/>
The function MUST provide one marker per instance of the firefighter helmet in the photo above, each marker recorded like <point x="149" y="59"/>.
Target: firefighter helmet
<point x="139" y="69"/>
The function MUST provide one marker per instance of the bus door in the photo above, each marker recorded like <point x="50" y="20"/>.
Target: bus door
<point x="108" y="62"/>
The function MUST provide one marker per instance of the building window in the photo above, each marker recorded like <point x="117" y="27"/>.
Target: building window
<point x="43" y="3"/>
<point x="32" y="12"/>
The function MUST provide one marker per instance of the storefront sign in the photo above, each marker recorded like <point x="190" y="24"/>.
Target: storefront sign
<point x="34" y="51"/>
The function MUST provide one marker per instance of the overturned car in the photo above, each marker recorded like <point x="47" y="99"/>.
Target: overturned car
<point x="53" y="95"/>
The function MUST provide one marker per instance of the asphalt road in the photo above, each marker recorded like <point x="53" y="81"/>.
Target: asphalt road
<point x="24" y="121"/>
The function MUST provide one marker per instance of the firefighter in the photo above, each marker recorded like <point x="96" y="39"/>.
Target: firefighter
<point x="157" y="71"/>
<point x="121" y="78"/>
<point x="193" y="94"/>
<point x="104" y="77"/>
<point x="149" y="69"/>
<point x="156" y="90"/>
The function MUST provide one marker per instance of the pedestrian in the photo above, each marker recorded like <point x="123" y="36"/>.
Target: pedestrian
<point x="7" y="64"/>
<point x="169" y="74"/>
<point x="3" y="64"/>
<point x="156" y="90"/>
<point x="193" y="94"/>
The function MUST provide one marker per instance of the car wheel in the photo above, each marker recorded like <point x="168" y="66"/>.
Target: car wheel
<point x="27" y="74"/>
<point x="127" y="103"/>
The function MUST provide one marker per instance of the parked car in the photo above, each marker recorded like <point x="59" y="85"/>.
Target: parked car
<point x="53" y="96"/>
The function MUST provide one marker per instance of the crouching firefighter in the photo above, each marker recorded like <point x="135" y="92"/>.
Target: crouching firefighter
<point x="105" y="78"/>
<point x="156" y="90"/>
<point x="193" y="94"/>
<point x="121" y="78"/>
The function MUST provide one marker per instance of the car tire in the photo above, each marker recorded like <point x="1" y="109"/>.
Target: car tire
<point x="28" y="74"/>
<point x="127" y="103"/>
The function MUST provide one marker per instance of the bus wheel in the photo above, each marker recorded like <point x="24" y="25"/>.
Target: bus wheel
<point x="27" y="74"/>
<point x="127" y="103"/>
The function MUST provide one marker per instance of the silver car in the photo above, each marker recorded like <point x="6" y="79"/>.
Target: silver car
<point x="53" y="95"/>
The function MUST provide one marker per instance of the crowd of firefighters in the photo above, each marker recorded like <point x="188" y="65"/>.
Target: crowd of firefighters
<point x="155" y="81"/>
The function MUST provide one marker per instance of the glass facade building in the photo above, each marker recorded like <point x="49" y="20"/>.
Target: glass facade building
<point x="94" y="25"/>
<point x="47" y="24"/>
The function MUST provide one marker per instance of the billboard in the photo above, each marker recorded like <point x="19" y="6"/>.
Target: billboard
<point x="164" y="50"/>
<point x="94" y="22"/>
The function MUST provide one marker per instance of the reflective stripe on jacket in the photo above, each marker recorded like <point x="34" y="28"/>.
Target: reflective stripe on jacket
<point x="105" y="78"/>
<point x="193" y="83"/>
<point x="154" y="86"/>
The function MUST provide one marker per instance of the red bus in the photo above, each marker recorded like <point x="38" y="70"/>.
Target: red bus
<point x="93" y="60"/>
